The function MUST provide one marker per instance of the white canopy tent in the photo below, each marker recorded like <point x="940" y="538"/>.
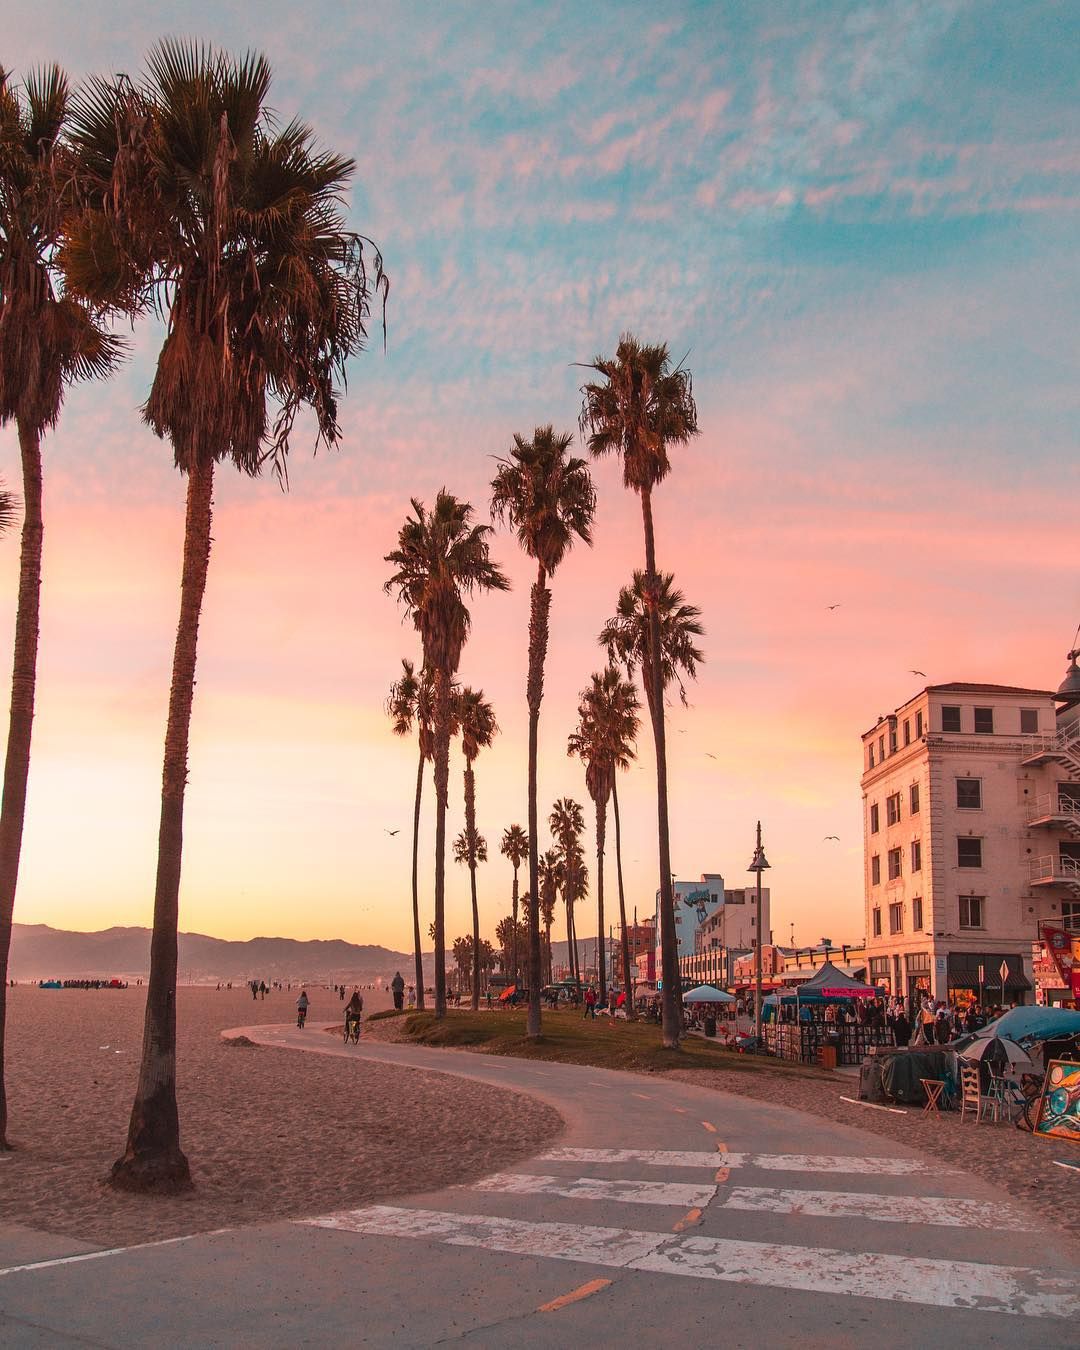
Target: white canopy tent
<point x="706" y="993"/>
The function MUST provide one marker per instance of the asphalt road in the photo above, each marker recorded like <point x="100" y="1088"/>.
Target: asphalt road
<point x="666" y="1215"/>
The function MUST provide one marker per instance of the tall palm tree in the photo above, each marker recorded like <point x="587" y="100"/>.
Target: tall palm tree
<point x="469" y="849"/>
<point x="604" y="740"/>
<point x="548" y="499"/>
<point x="409" y="704"/>
<point x="441" y="558"/>
<point x="515" y="847"/>
<point x="197" y="205"/>
<point x="567" y="823"/>
<point x="47" y="340"/>
<point x="638" y="409"/>
<point x="626" y="636"/>
<point x="550" y="885"/>
<point x="476" y="722"/>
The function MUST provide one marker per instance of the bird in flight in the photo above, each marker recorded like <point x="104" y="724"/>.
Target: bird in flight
<point x="708" y="755"/>
<point x="832" y="606"/>
<point x="832" y="836"/>
<point x="391" y="833"/>
<point x="919" y="672"/>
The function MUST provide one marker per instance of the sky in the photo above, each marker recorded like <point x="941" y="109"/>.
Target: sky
<point x="858" y="222"/>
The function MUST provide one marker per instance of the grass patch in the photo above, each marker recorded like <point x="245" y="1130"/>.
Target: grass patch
<point x="386" y="1012"/>
<point x="568" y="1038"/>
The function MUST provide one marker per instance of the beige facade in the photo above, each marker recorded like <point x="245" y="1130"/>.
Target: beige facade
<point x="731" y="928"/>
<point x="971" y="820"/>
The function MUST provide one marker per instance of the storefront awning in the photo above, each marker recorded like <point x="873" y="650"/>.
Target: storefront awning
<point x="964" y="972"/>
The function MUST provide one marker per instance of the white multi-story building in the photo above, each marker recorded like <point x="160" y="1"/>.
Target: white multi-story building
<point x="728" y="932"/>
<point x="971" y="819"/>
<point x="695" y="901"/>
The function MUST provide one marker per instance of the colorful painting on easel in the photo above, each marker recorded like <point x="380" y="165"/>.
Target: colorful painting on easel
<point x="1059" y="1109"/>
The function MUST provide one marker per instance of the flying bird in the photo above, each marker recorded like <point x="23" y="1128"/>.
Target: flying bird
<point x="391" y="833"/>
<point x="709" y="756"/>
<point x="832" y="836"/>
<point x="832" y="606"/>
<point x="919" y="672"/>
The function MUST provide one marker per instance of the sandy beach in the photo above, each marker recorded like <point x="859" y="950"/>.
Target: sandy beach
<point x="269" y="1134"/>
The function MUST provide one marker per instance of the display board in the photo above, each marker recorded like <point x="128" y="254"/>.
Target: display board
<point x="1059" y="1107"/>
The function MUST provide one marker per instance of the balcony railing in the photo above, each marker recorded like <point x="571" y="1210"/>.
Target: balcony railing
<point x="1051" y="806"/>
<point x="1052" y="870"/>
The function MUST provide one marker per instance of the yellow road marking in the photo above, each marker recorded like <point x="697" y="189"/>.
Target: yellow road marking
<point x="722" y="1173"/>
<point x="575" y="1296"/>
<point x="643" y="1095"/>
<point x="710" y="1128"/>
<point x="681" y="1110"/>
<point x="689" y="1220"/>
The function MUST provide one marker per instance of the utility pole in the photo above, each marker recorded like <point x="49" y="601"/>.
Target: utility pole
<point x="758" y="865"/>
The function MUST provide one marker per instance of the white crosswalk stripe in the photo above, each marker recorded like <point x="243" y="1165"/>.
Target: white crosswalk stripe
<point x="774" y="1162"/>
<point x="940" y="1210"/>
<point x="826" y="1270"/>
<point x="589" y="1188"/>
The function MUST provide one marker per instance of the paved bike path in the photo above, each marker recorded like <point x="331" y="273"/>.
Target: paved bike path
<point x="664" y="1213"/>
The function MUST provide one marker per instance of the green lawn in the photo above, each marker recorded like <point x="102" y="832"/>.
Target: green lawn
<point x="568" y="1038"/>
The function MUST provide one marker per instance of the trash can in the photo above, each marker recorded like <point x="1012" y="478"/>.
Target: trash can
<point x="828" y="1056"/>
<point x="710" y="1024"/>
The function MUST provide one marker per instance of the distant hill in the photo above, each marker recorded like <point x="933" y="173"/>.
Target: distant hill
<point x="39" y="952"/>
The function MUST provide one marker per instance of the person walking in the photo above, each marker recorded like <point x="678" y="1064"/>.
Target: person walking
<point x="397" y="988"/>
<point x="301" y="1009"/>
<point x="590" y="1002"/>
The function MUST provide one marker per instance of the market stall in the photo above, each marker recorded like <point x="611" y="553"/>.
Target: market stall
<point x="822" y="1015"/>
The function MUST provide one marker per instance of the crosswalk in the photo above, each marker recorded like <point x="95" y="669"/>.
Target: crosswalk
<point x="659" y="1247"/>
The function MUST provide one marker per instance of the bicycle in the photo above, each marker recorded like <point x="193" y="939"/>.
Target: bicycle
<point x="301" y="1017"/>
<point x="352" y="1030"/>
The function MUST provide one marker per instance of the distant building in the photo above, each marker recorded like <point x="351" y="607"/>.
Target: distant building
<point x="729" y="930"/>
<point x="971" y="819"/>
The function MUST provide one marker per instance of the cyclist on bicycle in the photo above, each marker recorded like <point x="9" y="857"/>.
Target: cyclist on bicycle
<point x="301" y="1008"/>
<point x="354" y="1010"/>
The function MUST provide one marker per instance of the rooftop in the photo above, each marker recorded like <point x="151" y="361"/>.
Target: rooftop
<point x="960" y="687"/>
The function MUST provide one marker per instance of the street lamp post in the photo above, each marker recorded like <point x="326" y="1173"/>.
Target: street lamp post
<point x="758" y="865"/>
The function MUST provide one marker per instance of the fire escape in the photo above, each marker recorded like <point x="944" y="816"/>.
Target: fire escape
<point x="1058" y="810"/>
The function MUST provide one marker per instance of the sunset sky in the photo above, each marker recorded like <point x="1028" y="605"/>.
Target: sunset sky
<point x="859" y="220"/>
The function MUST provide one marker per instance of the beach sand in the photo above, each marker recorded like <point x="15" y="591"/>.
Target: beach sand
<point x="270" y="1134"/>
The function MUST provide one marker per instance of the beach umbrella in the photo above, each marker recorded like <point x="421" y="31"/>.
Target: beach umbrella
<point x="998" y="1048"/>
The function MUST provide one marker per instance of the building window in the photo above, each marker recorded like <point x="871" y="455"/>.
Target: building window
<point x="1029" y="721"/>
<point x="875" y="918"/>
<point x="914" y="808"/>
<point x="969" y="794"/>
<point x="870" y="747"/>
<point x="916" y="914"/>
<point x="892" y="809"/>
<point x="968" y="852"/>
<point x="875" y="820"/>
<point x="894" y="863"/>
<point x="907" y="731"/>
<point x="971" y="911"/>
<point x="950" y="719"/>
<point x="896" y="918"/>
<point x="916" y="855"/>
<point x="918" y="726"/>
<point x="875" y="870"/>
<point x="892" y="740"/>
<point x="881" y="749"/>
<point x="984" y="721"/>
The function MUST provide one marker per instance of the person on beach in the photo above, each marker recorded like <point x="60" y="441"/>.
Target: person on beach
<point x="590" y="1003"/>
<point x="397" y="988"/>
<point x="412" y="996"/>
<point x="302" y="1007"/>
<point x="354" y="1009"/>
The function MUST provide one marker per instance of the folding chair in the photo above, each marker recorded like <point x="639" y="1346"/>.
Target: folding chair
<point x="970" y="1097"/>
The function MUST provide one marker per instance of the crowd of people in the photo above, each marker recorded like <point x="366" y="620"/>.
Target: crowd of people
<point x="81" y="984"/>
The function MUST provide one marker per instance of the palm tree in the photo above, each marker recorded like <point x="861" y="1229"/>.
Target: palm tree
<point x="440" y="558"/>
<point x="196" y="205"/>
<point x="515" y="847"/>
<point x="550" y="885"/>
<point x="548" y="499"/>
<point x="47" y="340"/>
<point x="604" y="740"/>
<point x="567" y="822"/>
<point x="410" y="703"/>
<point x="638" y="409"/>
<point x="626" y="639"/>
<point x="476" y="722"/>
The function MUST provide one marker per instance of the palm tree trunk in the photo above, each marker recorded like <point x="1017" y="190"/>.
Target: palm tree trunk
<point x="153" y="1160"/>
<point x="601" y="949"/>
<point x="628" y="982"/>
<point x="21" y="719"/>
<point x="417" y="947"/>
<point x="443" y="708"/>
<point x="669" y="954"/>
<point x="539" y="609"/>
<point x="514" y="935"/>
<point x="470" y="835"/>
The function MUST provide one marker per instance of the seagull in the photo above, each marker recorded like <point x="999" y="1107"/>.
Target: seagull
<point x="832" y="606"/>
<point x="709" y="756"/>
<point x="832" y="836"/>
<point x="919" y="672"/>
<point x="391" y="833"/>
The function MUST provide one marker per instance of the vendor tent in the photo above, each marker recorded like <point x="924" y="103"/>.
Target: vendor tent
<point x="829" y="982"/>
<point x="1034" y="1023"/>
<point x="706" y="993"/>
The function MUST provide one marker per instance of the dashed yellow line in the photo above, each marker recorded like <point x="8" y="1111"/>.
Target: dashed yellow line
<point x="643" y="1095"/>
<point x="575" y="1296"/>
<point x="710" y="1127"/>
<point x="689" y="1220"/>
